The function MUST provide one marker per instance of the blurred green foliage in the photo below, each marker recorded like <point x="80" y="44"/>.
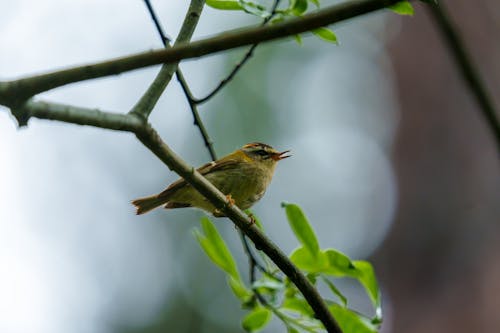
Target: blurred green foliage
<point x="274" y="294"/>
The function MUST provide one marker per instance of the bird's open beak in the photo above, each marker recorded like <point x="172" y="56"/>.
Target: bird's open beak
<point x="280" y="156"/>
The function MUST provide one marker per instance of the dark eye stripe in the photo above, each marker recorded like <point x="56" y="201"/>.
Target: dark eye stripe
<point x="257" y="144"/>
<point x="262" y="152"/>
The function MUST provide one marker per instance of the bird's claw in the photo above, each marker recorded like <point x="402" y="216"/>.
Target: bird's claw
<point x="230" y="200"/>
<point x="252" y="218"/>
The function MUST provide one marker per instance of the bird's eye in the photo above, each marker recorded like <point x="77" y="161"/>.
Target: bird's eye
<point x="262" y="152"/>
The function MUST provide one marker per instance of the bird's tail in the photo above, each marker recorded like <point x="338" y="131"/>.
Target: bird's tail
<point x="146" y="204"/>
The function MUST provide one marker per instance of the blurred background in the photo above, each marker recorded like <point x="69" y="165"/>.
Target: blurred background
<point x="392" y="162"/>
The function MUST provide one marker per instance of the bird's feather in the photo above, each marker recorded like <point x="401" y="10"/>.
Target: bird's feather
<point x="226" y="163"/>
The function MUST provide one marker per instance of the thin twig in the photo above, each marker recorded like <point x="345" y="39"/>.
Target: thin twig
<point x="164" y="39"/>
<point x="252" y="261"/>
<point x="22" y="89"/>
<point x="209" y="144"/>
<point x="240" y="64"/>
<point x="467" y="69"/>
<point x="148" y="100"/>
<point x="180" y="77"/>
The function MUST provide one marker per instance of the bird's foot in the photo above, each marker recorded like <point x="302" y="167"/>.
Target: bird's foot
<point x="218" y="213"/>
<point x="230" y="200"/>
<point x="251" y="217"/>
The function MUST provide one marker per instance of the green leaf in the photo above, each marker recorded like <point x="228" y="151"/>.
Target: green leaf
<point x="303" y="259"/>
<point x="290" y="329"/>
<point x="338" y="263"/>
<point x="298" y="7"/>
<point x="224" y="4"/>
<point x="402" y="8"/>
<point x="335" y="263"/>
<point x="298" y="305"/>
<point x="298" y="39"/>
<point x="329" y="261"/>
<point x="335" y="291"/>
<point x="257" y="319"/>
<point x="302" y="229"/>
<point x="216" y="249"/>
<point x="239" y="290"/>
<point x="313" y="278"/>
<point x="290" y="289"/>
<point x="257" y="221"/>
<point x="351" y="322"/>
<point x="277" y="18"/>
<point x="268" y="283"/>
<point x="366" y="276"/>
<point x="254" y="8"/>
<point x="326" y="35"/>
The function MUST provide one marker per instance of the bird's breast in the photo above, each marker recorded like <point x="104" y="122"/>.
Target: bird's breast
<point x="246" y="184"/>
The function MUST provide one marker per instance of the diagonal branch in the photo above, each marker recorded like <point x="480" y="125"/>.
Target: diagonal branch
<point x="240" y="64"/>
<point x="199" y="123"/>
<point x="145" y="105"/>
<point x="180" y="77"/>
<point x="150" y="138"/>
<point x="13" y="91"/>
<point x="469" y="72"/>
<point x="196" y="115"/>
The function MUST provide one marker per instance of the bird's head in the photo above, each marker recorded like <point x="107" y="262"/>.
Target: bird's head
<point x="260" y="152"/>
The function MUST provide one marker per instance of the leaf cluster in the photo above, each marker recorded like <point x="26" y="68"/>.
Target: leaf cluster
<point x="275" y="295"/>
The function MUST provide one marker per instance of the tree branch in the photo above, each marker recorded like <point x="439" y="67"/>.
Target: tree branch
<point x="13" y="91"/>
<point x="76" y="115"/>
<point x="196" y="115"/>
<point x="469" y="72"/>
<point x="180" y="77"/>
<point x="145" y="105"/>
<point x="240" y="64"/>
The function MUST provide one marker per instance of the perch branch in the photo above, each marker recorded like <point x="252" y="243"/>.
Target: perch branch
<point x="199" y="123"/>
<point x="150" y="138"/>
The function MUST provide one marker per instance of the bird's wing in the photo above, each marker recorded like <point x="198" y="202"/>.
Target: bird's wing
<point x="222" y="164"/>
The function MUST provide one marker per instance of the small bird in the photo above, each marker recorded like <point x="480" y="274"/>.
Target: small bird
<point x="242" y="176"/>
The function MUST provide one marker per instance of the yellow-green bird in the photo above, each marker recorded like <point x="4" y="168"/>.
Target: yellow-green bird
<point x="243" y="176"/>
